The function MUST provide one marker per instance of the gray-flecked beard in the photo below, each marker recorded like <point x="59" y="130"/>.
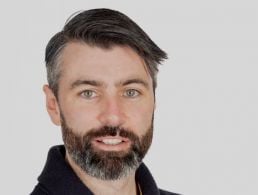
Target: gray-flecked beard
<point x="106" y="165"/>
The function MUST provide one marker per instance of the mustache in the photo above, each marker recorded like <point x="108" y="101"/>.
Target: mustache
<point x="111" y="131"/>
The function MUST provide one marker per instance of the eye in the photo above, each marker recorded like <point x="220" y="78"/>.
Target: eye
<point x="132" y="93"/>
<point x="88" y="94"/>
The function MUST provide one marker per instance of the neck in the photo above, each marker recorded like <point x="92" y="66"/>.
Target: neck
<point x="125" y="186"/>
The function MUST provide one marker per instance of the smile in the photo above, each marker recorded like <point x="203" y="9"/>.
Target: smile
<point x="111" y="143"/>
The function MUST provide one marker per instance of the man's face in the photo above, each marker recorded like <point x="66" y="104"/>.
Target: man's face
<point x="105" y="107"/>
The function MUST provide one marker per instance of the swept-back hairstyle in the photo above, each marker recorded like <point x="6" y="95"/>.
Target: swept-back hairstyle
<point x="103" y="28"/>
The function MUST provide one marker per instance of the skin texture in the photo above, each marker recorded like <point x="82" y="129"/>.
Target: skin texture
<point x="102" y="87"/>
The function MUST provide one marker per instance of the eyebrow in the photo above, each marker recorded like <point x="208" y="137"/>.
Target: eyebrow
<point x="135" y="81"/>
<point x="100" y="84"/>
<point x="86" y="82"/>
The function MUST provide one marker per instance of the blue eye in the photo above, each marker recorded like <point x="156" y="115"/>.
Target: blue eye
<point x="132" y="93"/>
<point x="88" y="94"/>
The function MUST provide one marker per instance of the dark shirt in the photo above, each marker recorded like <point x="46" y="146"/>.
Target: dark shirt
<point x="58" y="178"/>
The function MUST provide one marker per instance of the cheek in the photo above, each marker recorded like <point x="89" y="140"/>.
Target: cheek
<point x="141" y="118"/>
<point x="79" y="117"/>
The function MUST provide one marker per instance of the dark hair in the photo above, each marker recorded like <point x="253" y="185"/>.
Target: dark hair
<point x="103" y="28"/>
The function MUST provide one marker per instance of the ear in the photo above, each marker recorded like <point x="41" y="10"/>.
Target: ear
<point x="52" y="105"/>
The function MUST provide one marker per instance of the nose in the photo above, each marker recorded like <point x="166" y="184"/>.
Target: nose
<point x="112" y="112"/>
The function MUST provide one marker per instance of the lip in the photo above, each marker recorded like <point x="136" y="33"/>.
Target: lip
<point x="123" y="145"/>
<point x="123" y="139"/>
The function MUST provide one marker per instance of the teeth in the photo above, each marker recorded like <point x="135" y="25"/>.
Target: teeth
<point x="111" y="141"/>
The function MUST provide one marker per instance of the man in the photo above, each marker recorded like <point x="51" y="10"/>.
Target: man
<point x="101" y="72"/>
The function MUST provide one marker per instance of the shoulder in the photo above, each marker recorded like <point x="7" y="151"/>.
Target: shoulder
<point x="163" y="192"/>
<point x="39" y="190"/>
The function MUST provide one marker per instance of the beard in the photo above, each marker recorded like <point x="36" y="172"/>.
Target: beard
<point x="106" y="165"/>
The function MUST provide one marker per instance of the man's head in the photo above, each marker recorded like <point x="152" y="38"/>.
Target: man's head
<point x="102" y="28"/>
<point x="102" y="75"/>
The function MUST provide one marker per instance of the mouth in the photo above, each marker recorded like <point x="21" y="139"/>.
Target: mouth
<point x="112" y="143"/>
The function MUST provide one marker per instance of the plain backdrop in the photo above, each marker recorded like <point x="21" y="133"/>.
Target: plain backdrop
<point x="206" y="122"/>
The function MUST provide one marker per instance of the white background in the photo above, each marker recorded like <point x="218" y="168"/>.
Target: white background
<point x="207" y="99"/>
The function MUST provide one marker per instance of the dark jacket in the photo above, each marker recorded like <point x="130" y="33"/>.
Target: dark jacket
<point x="58" y="178"/>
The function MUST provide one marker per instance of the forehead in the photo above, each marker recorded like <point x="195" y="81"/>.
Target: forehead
<point x="80" y="60"/>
